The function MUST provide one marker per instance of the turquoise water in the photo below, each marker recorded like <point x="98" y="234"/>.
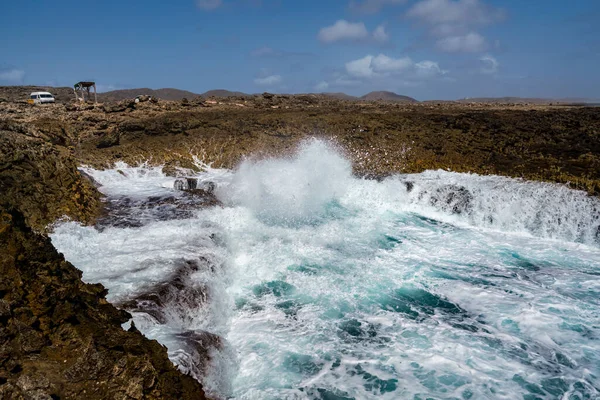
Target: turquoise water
<point x="324" y="286"/>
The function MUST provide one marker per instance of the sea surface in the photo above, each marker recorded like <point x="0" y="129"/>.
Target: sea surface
<point x="436" y="285"/>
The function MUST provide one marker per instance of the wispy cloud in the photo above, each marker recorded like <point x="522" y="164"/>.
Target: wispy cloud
<point x="470" y="43"/>
<point x="101" y="88"/>
<point x="270" y="80"/>
<point x="209" y="5"/>
<point x="373" y="6"/>
<point x="380" y="35"/>
<point x="265" y="51"/>
<point x="489" y="65"/>
<point x="321" y="86"/>
<point x="453" y="24"/>
<point x="269" y="52"/>
<point x="343" y="30"/>
<point x="12" y="75"/>
<point x="357" y="32"/>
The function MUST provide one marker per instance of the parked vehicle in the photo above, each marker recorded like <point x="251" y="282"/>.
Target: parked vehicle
<point x="41" y="98"/>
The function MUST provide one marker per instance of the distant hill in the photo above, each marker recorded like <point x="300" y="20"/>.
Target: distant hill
<point x="387" y="96"/>
<point x="164" y="94"/>
<point x="66" y="95"/>
<point x="223" y="93"/>
<point x="340" y="96"/>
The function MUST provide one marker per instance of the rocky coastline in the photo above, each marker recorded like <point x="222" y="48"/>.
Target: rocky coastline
<point x="60" y="338"/>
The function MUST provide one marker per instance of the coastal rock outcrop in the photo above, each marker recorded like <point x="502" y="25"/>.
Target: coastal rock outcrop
<point x="38" y="174"/>
<point x="61" y="339"/>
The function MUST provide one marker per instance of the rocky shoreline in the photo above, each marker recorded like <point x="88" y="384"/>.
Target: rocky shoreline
<point x="537" y="142"/>
<point x="60" y="338"/>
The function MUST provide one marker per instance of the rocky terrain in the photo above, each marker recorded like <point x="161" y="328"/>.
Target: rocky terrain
<point x="14" y="94"/>
<point x="165" y="94"/>
<point x="550" y="143"/>
<point x="61" y="339"/>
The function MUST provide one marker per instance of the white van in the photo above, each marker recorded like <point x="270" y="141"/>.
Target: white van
<point x="41" y="98"/>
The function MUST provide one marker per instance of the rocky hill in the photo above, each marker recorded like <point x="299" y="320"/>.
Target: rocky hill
<point x="223" y="93"/>
<point x="387" y="96"/>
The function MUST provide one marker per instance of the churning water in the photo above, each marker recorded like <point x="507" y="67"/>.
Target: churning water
<point x="325" y="286"/>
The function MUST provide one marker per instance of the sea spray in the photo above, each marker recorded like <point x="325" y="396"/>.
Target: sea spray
<point x="437" y="284"/>
<point x="291" y="189"/>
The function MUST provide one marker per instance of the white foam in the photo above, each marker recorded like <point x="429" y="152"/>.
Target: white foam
<point x="285" y="189"/>
<point x="307" y="252"/>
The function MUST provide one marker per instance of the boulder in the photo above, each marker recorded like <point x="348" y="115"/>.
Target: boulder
<point x="453" y="199"/>
<point x="185" y="183"/>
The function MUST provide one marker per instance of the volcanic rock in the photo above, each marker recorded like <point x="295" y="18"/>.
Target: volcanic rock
<point x="60" y="338"/>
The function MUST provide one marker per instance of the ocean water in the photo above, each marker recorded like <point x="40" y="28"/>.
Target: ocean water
<point x="321" y="285"/>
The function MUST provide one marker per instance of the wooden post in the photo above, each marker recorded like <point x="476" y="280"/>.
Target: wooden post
<point x="95" y="94"/>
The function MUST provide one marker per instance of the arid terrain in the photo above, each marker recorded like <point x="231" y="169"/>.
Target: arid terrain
<point x="557" y="143"/>
<point x="55" y="325"/>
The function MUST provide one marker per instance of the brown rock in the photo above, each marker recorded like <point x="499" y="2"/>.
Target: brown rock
<point x="62" y="339"/>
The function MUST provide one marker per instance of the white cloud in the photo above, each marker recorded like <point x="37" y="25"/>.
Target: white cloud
<point x="385" y="64"/>
<point x="452" y="23"/>
<point x="270" y="80"/>
<point x="489" y="65"/>
<point x="209" y="5"/>
<point x="343" y="30"/>
<point x="382" y="66"/>
<point x="361" y="68"/>
<point x="469" y="43"/>
<point x="384" y="71"/>
<point x="12" y="75"/>
<point x="321" y="86"/>
<point x="426" y="69"/>
<point x="346" y="82"/>
<point x="460" y="12"/>
<point x="380" y="35"/>
<point x="373" y="6"/>
<point x="269" y="52"/>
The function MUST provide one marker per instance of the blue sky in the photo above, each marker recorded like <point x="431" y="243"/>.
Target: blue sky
<point x="428" y="49"/>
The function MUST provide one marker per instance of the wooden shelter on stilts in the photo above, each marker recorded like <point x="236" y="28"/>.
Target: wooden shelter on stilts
<point x="82" y="91"/>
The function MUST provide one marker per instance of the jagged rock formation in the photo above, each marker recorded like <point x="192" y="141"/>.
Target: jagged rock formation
<point x="59" y="337"/>
<point x="38" y="173"/>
